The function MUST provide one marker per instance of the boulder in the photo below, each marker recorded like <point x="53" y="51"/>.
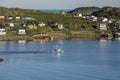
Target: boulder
<point x="1" y="59"/>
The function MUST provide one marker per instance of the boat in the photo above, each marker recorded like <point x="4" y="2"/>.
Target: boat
<point x="57" y="50"/>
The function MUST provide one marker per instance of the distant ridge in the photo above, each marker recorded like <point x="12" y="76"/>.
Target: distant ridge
<point x="14" y="11"/>
<point x="84" y="10"/>
<point x="54" y="10"/>
<point x="108" y="11"/>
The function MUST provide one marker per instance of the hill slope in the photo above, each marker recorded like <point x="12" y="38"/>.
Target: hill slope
<point x="84" y="10"/>
<point x="14" y="11"/>
<point x="109" y="12"/>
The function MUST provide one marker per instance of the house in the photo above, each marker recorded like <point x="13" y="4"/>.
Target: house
<point x="116" y="35"/>
<point x="117" y="24"/>
<point x="60" y="26"/>
<point x="32" y="27"/>
<point x="2" y="17"/>
<point x="93" y="18"/>
<point x="42" y="24"/>
<point x="103" y="19"/>
<point x="24" y="26"/>
<point x="17" y="17"/>
<point x="78" y="15"/>
<point x="102" y="26"/>
<point x="21" y="31"/>
<point x="10" y="24"/>
<point x="27" y="18"/>
<point x="62" y="12"/>
<point x="9" y="17"/>
<point x="55" y="24"/>
<point x="2" y="31"/>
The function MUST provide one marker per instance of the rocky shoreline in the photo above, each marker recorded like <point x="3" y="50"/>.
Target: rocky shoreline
<point x="53" y="37"/>
<point x="81" y="35"/>
<point x="1" y="59"/>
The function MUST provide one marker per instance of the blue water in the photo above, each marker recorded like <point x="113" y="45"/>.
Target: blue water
<point x="81" y="60"/>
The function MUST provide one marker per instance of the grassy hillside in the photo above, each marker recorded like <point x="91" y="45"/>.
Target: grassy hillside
<point x="109" y="12"/>
<point x="14" y="11"/>
<point x="84" y="10"/>
<point x="67" y="20"/>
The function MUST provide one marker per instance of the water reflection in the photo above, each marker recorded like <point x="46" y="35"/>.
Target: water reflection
<point x="2" y="42"/>
<point x="118" y="39"/>
<point x="21" y="41"/>
<point x="58" y="54"/>
<point x="103" y="40"/>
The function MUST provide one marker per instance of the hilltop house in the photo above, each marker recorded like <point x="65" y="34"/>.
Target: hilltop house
<point x="2" y="31"/>
<point x="93" y="18"/>
<point x="32" y="27"/>
<point x="57" y="25"/>
<point x="62" y="12"/>
<point x="17" y="17"/>
<point x="20" y="31"/>
<point x="102" y="26"/>
<point x="27" y="18"/>
<point x="42" y="24"/>
<point x="78" y="15"/>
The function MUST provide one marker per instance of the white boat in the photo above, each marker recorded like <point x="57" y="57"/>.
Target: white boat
<point x="57" y="50"/>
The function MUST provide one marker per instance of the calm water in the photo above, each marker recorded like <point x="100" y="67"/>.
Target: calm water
<point x="81" y="60"/>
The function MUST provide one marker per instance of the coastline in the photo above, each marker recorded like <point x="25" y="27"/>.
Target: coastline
<point x="53" y="36"/>
<point x="1" y="59"/>
<point x="58" y="35"/>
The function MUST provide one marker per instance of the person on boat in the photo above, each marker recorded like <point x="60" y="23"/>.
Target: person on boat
<point x="57" y="49"/>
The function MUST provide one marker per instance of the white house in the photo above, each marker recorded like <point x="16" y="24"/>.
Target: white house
<point x="24" y="26"/>
<point x="2" y="17"/>
<point x="21" y="31"/>
<point x="27" y="18"/>
<point x="9" y="17"/>
<point x="62" y="12"/>
<point x="32" y="27"/>
<point x="78" y="15"/>
<point x="104" y="19"/>
<point x="93" y="18"/>
<point x="17" y="17"/>
<point x="2" y="31"/>
<point x="10" y="24"/>
<point x="102" y="26"/>
<point x="42" y="24"/>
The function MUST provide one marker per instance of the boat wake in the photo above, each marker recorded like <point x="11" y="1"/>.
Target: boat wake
<point x="22" y="52"/>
